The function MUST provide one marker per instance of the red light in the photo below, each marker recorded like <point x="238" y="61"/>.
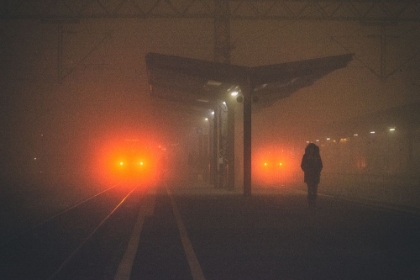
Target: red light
<point x="275" y="165"/>
<point x="127" y="163"/>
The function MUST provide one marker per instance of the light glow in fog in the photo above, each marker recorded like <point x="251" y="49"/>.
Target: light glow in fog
<point x="126" y="162"/>
<point x="272" y="165"/>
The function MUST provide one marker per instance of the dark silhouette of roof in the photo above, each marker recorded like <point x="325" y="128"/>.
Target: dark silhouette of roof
<point x="404" y="117"/>
<point x="200" y="83"/>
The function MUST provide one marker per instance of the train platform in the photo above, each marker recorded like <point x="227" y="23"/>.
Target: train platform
<point x="204" y="188"/>
<point x="198" y="232"/>
<point x="191" y="230"/>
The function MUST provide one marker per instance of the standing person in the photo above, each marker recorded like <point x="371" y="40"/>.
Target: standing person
<point x="312" y="166"/>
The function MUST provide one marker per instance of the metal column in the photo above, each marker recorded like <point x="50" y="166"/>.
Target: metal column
<point x="247" y="93"/>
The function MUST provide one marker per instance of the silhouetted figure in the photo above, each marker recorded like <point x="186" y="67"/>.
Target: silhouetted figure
<point x="312" y="166"/>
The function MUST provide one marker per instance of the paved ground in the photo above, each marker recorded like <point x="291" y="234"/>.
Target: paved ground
<point x="273" y="235"/>
<point x="193" y="231"/>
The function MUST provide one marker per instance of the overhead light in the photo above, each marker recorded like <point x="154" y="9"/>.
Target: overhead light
<point x="213" y="83"/>
<point x="234" y="93"/>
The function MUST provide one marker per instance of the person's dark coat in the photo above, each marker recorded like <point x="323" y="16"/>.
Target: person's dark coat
<point x="311" y="164"/>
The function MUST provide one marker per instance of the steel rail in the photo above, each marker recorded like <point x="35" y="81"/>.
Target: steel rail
<point x="54" y="216"/>
<point x="87" y="238"/>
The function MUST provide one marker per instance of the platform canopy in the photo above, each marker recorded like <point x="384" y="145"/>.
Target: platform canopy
<point x="200" y="83"/>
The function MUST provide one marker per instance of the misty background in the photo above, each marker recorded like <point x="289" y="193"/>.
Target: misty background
<point x="67" y="88"/>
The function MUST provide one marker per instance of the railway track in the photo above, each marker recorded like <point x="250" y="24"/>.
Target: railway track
<point x="66" y="244"/>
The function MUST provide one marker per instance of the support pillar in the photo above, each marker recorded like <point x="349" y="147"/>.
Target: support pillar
<point x="247" y="93"/>
<point x="230" y="151"/>
<point x="222" y="31"/>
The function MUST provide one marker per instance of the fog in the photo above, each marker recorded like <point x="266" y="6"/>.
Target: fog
<point x="60" y="101"/>
<point x="100" y="177"/>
